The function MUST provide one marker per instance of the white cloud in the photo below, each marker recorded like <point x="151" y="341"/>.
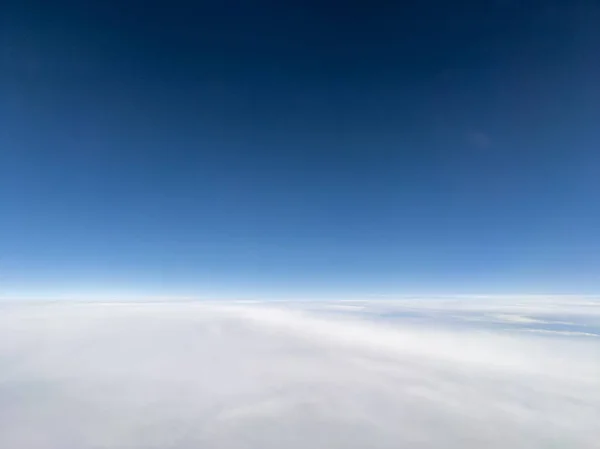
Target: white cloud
<point x="295" y="375"/>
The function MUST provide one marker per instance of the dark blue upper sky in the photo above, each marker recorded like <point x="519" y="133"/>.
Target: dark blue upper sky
<point x="276" y="148"/>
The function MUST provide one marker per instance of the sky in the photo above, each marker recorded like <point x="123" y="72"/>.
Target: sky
<point x="294" y="148"/>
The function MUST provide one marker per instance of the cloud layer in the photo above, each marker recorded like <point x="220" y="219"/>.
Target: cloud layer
<point x="378" y="374"/>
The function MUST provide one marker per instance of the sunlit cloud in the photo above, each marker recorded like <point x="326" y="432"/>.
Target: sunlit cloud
<point x="376" y="374"/>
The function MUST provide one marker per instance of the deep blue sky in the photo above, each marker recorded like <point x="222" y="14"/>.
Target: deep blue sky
<point x="278" y="148"/>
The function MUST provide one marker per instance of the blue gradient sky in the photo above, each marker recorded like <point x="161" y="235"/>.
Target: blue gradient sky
<point x="300" y="148"/>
